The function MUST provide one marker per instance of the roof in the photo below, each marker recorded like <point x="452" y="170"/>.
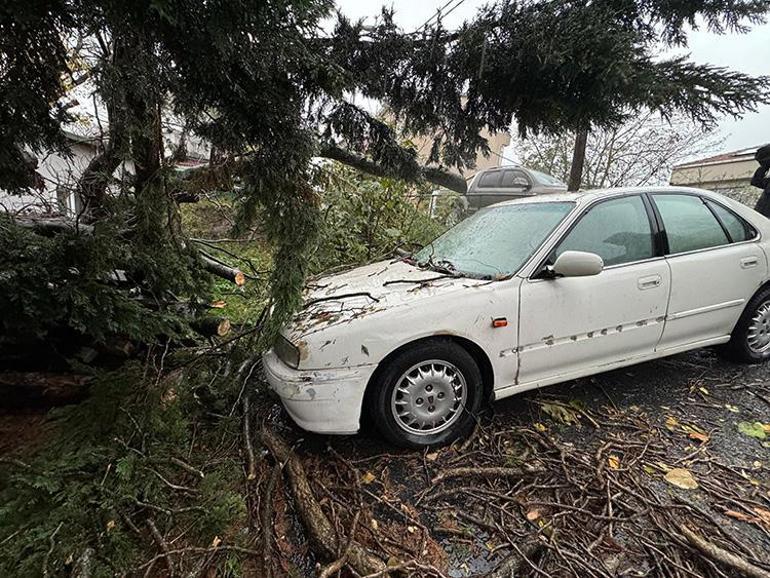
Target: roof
<point x="723" y="158"/>
<point x="592" y="194"/>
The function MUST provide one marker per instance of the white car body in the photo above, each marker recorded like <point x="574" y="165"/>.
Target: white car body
<point x="557" y="329"/>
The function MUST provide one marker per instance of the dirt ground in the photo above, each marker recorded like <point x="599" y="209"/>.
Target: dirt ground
<point x="625" y="473"/>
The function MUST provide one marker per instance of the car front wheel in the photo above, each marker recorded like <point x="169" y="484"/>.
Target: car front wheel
<point x="427" y="395"/>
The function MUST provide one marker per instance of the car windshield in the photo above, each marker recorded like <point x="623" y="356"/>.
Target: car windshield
<point x="495" y="242"/>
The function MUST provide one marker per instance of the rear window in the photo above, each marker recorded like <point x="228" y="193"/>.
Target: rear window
<point x="738" y="229"/>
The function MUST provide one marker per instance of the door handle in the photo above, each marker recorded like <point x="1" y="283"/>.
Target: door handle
<point x="749" y="262"/>
<point x="649" y="282"/>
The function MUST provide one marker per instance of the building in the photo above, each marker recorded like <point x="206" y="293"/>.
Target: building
<point x="727" y="173"/>
<point x="497" y="144"/>
<point x="58" y="172"/>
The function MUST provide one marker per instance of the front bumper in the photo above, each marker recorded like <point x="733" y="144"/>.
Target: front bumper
<point x="321" y="400"/>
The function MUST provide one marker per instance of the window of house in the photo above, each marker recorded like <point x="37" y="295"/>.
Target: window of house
<point x="618" y="231"/>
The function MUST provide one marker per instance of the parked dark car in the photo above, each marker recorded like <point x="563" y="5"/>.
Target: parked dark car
<point x="506" y="183"/>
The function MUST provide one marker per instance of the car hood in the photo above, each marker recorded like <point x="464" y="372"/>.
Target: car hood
<point x="372" y="289"/>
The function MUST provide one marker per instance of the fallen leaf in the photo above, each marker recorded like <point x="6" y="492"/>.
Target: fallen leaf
<point x="375" y="525"/>
<point x="681" y="478"/>
<point x="533" y="515"/>
<point x="539" y="427"/>
<point x="752" y="429"/>
<point x="110" y="525"/>
<point x="672" y="423"/>
<point x="368" y="478"/>
<point x="613" y="462"/>
<point x="431" y="457"/>
<point x="216" y="542"/>
<point x="218" y="304"/>
<point x="411" y="529"/>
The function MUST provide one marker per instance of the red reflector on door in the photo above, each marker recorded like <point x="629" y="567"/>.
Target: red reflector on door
<point x="500" y="322"/>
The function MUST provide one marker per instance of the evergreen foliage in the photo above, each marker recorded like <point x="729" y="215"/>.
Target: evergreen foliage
<point x="268" y="86"/>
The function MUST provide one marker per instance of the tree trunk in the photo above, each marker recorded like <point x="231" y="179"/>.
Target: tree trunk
<point x="578" y="160"/>
<point x="435" y="175"/>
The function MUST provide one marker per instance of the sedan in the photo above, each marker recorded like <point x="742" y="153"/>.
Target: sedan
<point x="521" y="295"/>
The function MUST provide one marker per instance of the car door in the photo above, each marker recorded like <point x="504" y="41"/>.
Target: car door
<point x="716" y="266"/>
<point x="572" y="326"/>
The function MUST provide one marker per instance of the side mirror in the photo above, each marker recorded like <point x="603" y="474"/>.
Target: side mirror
<point x="578" y="264"/>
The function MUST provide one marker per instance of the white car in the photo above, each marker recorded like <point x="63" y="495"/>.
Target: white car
<point x="521" y="295"/>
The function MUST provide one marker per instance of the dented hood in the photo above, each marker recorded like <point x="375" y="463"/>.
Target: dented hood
<point x="372" y="289"/>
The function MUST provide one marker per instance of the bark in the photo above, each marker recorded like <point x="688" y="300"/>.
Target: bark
<point x="435" y="175"/>
<point x="578" y="160"/>
<point x="515" y="563"/>
<point x="494" y="473"/>
<point x="221" y="270"/>
<point x="722" y="556"/>
<point x="22" y="388"/>
<point x="93" y="183"/>
<point x="52" y="226"/>
<point x="321" y="530"/>
<point x="212" y="326"/>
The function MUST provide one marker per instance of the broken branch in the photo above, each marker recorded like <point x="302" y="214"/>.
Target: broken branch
<point x="319" y="527"/>
<point x="722" y="556"/>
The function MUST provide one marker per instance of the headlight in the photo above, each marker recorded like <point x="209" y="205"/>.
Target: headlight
<point x="287" y="352"/>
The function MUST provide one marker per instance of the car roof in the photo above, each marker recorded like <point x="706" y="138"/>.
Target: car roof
<point x="587" y="196"/>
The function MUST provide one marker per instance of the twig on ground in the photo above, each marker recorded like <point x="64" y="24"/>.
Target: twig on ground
<point x="722" y="556"/>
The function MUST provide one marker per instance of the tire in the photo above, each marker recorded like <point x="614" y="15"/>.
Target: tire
<point x="439" y="381"/>
<point x="744" y="343"/>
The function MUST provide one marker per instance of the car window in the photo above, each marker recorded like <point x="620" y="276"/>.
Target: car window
<point x="489" y="180"/>
<point x="618" y="231"/>
<point x="689" y="224"/>
<point x="514" y="179"/>
<point x="547" y="179"/>
<point x="738" y="229"/>
<point x="495" y="242"/>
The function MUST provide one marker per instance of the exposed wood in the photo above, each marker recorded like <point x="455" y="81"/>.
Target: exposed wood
<point x="221" y="270"/>
<point x="722" y="556"/>
<point x="435" y="175"/>
<point x="211" y="326"/>
<point x="320" y="529"/>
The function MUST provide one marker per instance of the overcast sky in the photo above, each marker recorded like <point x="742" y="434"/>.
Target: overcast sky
<point x="749" y="53"/>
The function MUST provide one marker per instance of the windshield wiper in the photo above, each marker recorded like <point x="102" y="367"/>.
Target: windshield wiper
<point x="442" y="266"/>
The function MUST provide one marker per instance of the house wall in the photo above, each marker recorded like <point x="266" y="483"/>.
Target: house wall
<point x="731" y="178"/>
<point x="60" y="172"/>
<point x="496" y="142"/>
